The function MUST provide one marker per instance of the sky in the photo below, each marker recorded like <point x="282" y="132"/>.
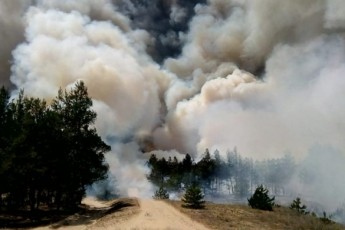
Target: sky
<point x="177" y="77"/>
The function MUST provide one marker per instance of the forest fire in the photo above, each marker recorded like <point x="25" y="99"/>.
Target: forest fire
<point x="266" y="77"/>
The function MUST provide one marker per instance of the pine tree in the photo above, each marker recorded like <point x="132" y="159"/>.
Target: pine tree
<point x="297" y="205"/>
<point x="50" y="153"/>
<point x="161" y="194"/>
<point x="193" y="197"/>
<point x="83" y="148"/>
<point x="261" y="200"/>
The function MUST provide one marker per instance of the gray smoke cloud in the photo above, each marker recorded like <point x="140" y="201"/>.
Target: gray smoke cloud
<point x="265" y="76"/>
<point x="292" y="106"/>
<point x="166" y="20"/>
<point x="63" y="47"/>
<point x="11" y="30"/>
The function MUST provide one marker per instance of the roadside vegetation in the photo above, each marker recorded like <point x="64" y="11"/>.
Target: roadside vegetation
<point x="161" y="194"/>
<point x="232" y="216"/>
<point x="234" y="178"/>
<point x="235" y="175"/>
<point x="193" y="197"/>
<point x="261" y="200"/>
<point x="49" y="152"/>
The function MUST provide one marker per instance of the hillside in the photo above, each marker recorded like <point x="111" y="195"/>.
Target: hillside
<point x="235" y="216"/>
<point x="127" y="214"/>
<point x="131" y="213"/>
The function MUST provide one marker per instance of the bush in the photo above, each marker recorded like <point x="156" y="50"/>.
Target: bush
<point x="327" y="219"/>
<point x="161" y="194"/>
<point x="193" y="197"/>
<point x="261" y="200"/>
<point x="297" y="205"/>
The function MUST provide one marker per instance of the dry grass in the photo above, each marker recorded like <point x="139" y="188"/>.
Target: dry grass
<point x="122" y="208"/>
<point x="215" y="216"/>
<point x="226" y="216"/>
<point x="85" y="215"/>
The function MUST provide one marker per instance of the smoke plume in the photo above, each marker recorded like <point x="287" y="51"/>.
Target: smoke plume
<point x="266" y="76"/>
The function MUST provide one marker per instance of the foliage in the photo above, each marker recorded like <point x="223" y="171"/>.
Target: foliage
<point x="297" y="205"/>
<point x="237" y="175"/>
<point x="261" y="200"/>
<point x="170" y="174"/>
<point x="161" y="194"/>
<point x="48" y="153"/>
<point x="193" y="198"/>
<point x="326" y="219"/>
<point x="237" y="216"/>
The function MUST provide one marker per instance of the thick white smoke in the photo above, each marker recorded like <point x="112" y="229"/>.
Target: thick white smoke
<point x="267" y="117"/>
<point x="266" y="76"/>
<point x="296" y="107"/>
<point x="11" y="30"/>
<point x="64" y="47"/>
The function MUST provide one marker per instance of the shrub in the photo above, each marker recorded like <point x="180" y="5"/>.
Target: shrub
<point x="326" y="219"/>
<point x="193" y="198"/>
<point x="297" y="205"/>
<point x="261" y="200"/>
<point x="161" y="194"/>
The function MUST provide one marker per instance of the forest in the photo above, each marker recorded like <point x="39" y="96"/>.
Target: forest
<point x="234" y="175"/>
<point x="49" y="153"/>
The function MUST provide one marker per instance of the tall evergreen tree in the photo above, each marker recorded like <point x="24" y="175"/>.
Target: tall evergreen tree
<point x="5" y="158"/>
<point x="49" y="153"/>
<point x="84" y="149"/>
<point x="205" y="169"/>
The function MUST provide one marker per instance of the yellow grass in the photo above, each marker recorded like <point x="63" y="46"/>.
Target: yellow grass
<point x="228" y="216"/>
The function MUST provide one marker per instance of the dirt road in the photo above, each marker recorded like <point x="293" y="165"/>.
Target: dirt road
<point x="150" y="215"/>
<point x="153" y="214"/>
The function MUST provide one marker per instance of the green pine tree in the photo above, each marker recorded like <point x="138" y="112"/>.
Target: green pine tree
<point x="193" y="197"/>
<point x="297" y="205"/>
<point x="49" y="153"/>
<point x="161" y="194"/>
<point x="261" y="200"/>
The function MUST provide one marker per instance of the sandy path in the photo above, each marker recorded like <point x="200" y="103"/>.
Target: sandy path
<point x="154" y="214"/>
<point x="151" y="215"/>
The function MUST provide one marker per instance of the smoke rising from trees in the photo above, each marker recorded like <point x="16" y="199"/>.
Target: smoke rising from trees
<point x="265" y="76"/>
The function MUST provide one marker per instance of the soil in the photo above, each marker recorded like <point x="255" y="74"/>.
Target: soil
<point x="135" y="214"/>
<point x="127" y="214"/>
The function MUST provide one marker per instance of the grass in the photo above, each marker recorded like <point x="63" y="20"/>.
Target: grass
<point x="84" y="215"/>
<point x="214" y="216"/>
<point x="233" y="216"/>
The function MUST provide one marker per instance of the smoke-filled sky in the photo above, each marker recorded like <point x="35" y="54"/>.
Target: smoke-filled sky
<point x="265" y="76"/>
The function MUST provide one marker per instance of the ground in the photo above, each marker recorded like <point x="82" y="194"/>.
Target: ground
<point x="138" y="214"/>
<point x="149" y="214"/>
<point x="239" y="216"/>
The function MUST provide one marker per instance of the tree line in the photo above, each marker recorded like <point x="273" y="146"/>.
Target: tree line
<point x="234" y="175"/>
<point x="48" y="152"/>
